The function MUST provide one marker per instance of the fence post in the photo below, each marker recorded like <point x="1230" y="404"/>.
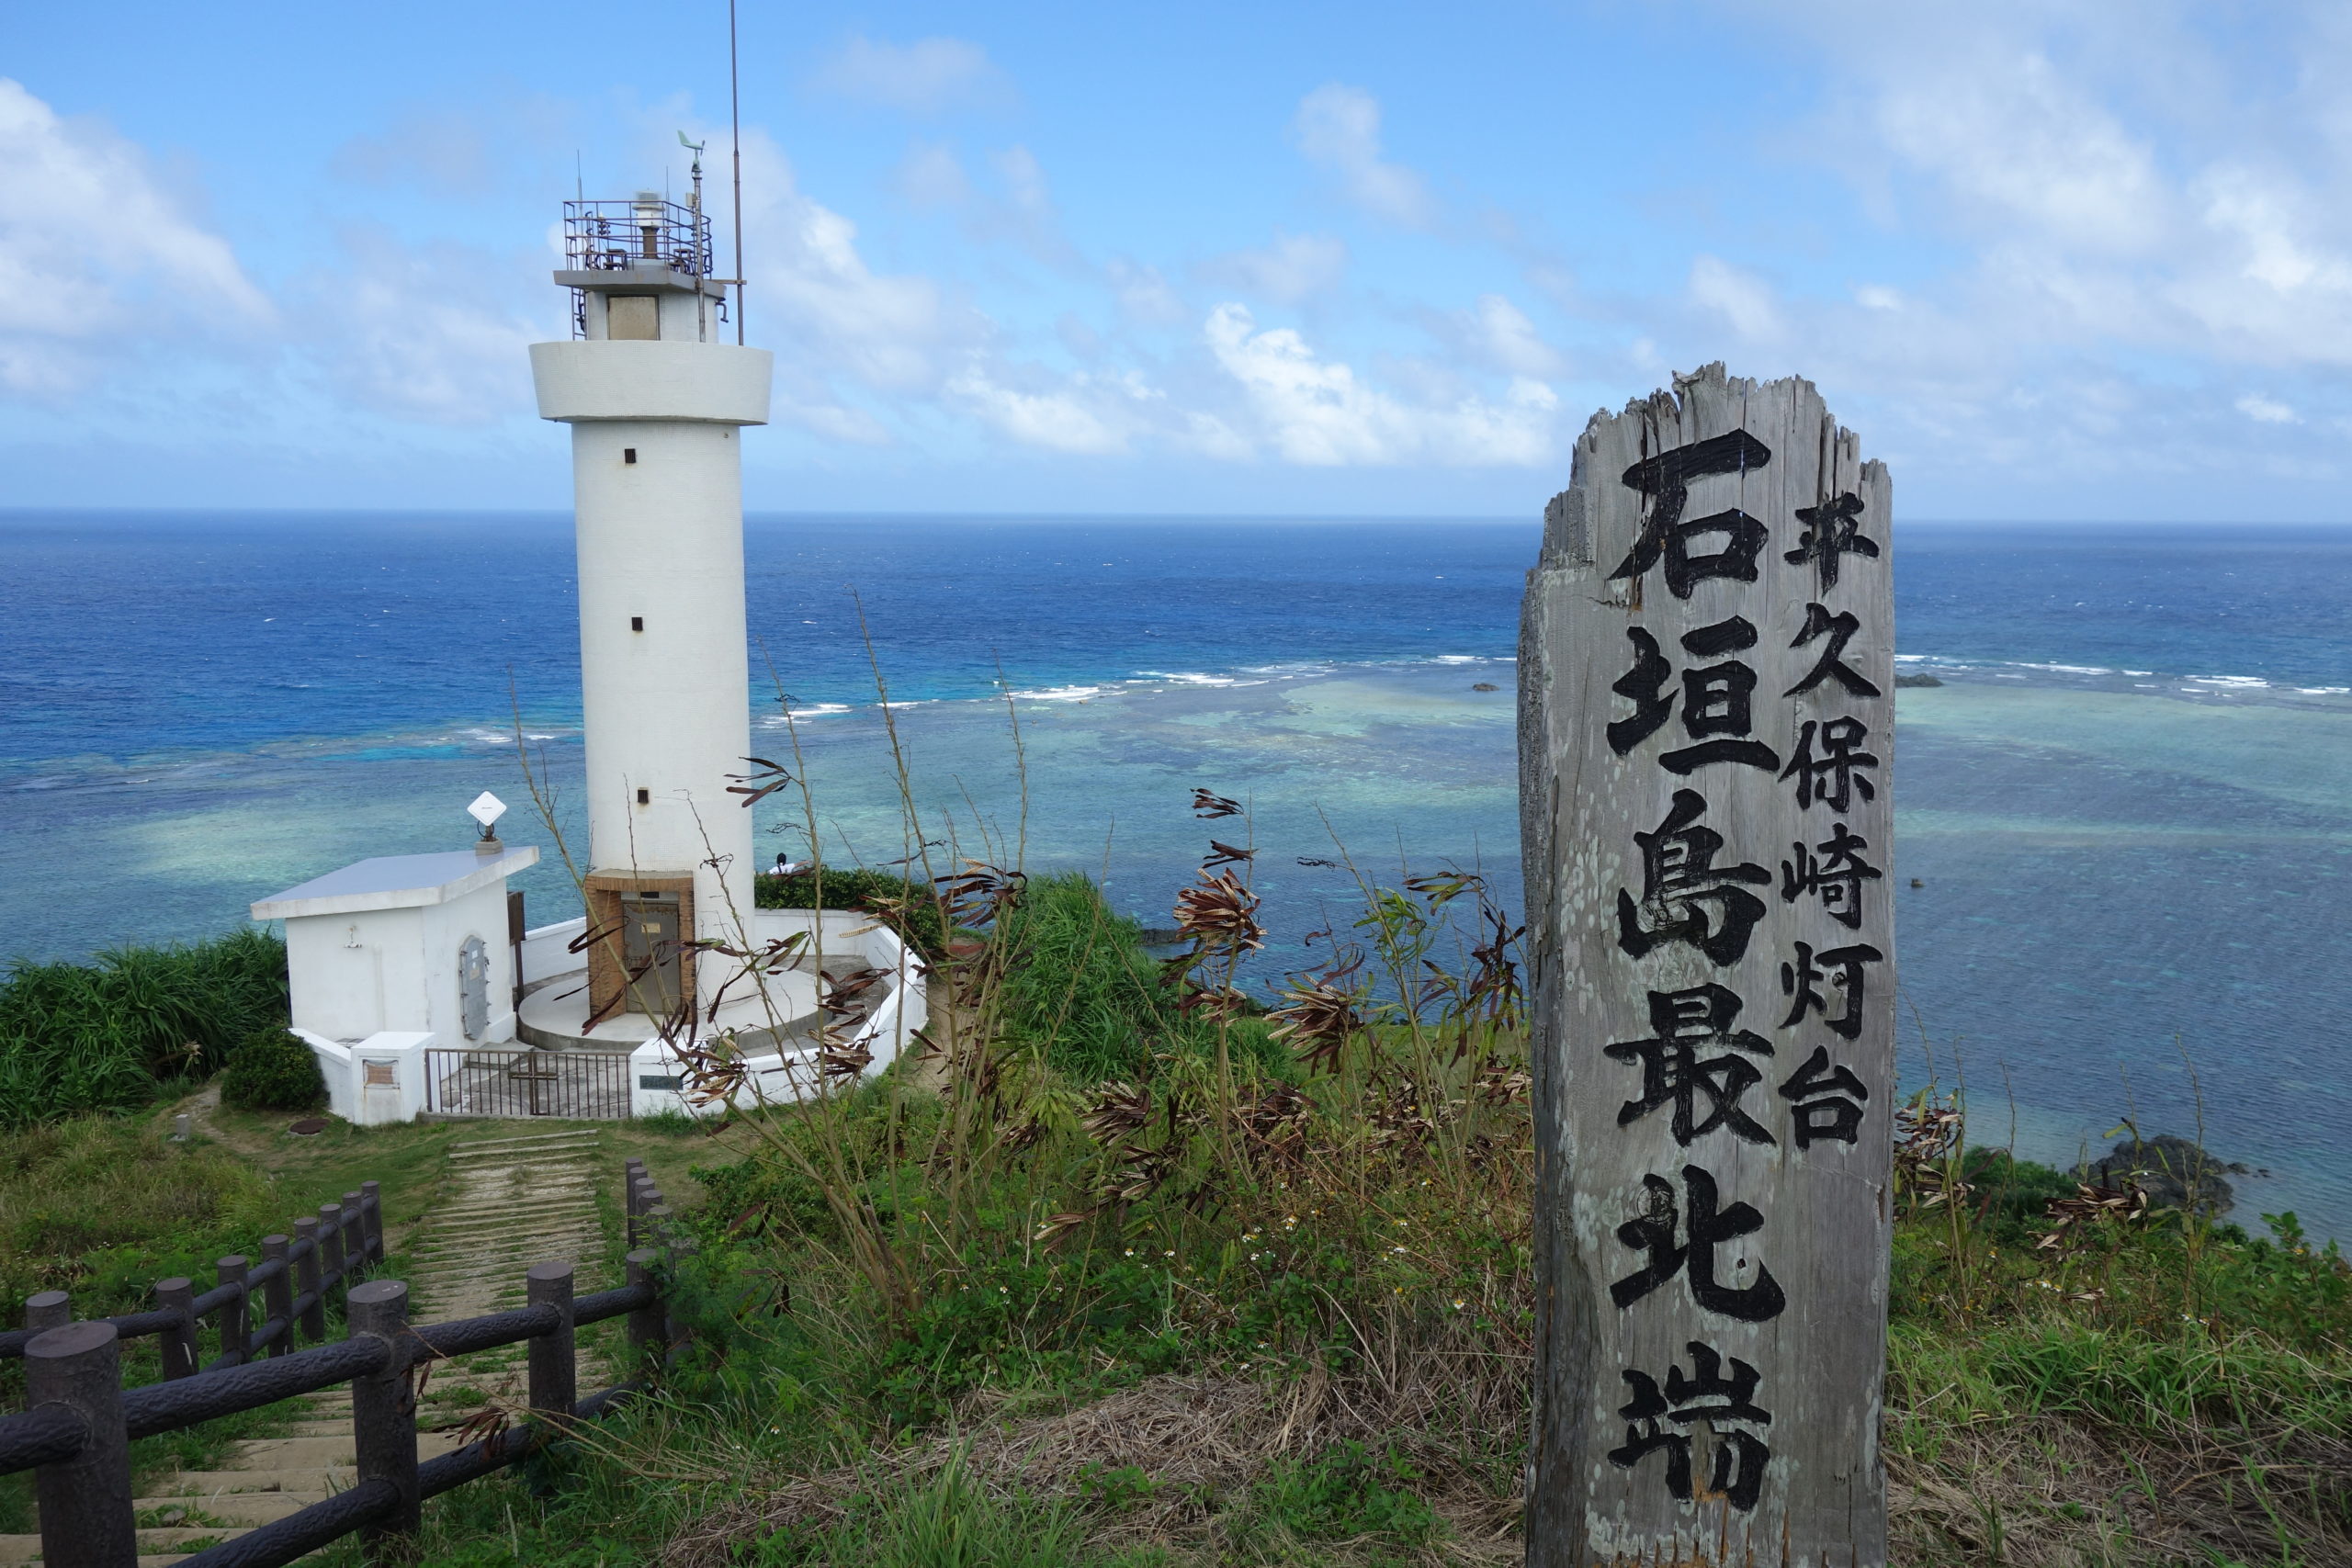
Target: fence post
<point x="307" y="1279"/>
<point x="330" y="1261"/>
<point x="555" y="1374"/>
<point x="85" y="1515"/>
<point x="177" y="1345"/>
<point x="236" y="1314"/>
<point x="278" y="1295"/>
<point x="46" y="1310"/>
<point x="383" y="1411"/>
<point x="371" y="1219"/>
<point x="645" y="1332"/>
<point x="632" y="1172"/>
<point x="353" y="1220"/>
<point x="647" y="1196"/>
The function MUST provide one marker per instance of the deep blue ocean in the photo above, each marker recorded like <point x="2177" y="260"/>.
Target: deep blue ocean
<point x="2129" y="803"/>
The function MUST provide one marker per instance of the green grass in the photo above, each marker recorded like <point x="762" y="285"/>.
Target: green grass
<point x="1084" y="994"/>
<point x="1270" y="1316"/>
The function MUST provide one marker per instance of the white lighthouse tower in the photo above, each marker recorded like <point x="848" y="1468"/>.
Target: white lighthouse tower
<point x="655" y="400"/>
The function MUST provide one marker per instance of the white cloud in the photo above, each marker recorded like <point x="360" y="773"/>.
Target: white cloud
<point x="96" y="254"/>
<point x="1292" y="268"/>
<point x="1338" y="129"/>
<point x="1020" y="209"/>
<point x="1065" y="419"/>
<point x="1744" y="301"/>
<point x="1508" y="340"/>
<point x="931" y="175"/>
<point x="893" y="334"/>
<point x="2266" y="411"/>
<point x="1144" y="296"/>
<point x="2008" y="134"/>
<point x="1319" y="413"/>
<point x="413" y="332"/>
<point x="931" y="75"/>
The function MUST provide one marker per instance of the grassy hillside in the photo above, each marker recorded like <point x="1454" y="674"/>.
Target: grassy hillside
<point x="1126" y="1270"/>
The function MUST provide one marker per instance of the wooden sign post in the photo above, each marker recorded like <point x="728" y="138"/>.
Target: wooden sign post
<point x="1706" y="716"/>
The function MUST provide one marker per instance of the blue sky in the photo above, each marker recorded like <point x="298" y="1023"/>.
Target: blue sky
<point x="2052" y="259"/>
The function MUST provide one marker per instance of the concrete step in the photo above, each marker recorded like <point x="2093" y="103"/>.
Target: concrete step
<point x="154" y="1545"/>
<point x="528" y="1141"/>
<point x="506" y="1224"/>
<point x="317" y="1478"/>
<point x="239" y="1508"/>
<point x="322" y="1452"/>
<point x="157" y="1547"/>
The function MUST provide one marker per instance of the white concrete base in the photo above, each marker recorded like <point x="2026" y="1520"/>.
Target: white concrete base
<point x="555" y="1013"/>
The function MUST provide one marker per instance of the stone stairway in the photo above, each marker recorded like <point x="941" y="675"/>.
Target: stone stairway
<point x="507" y="1202"/>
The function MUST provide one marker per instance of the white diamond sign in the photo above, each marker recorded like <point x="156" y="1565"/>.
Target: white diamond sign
<point x="486" y="809"/>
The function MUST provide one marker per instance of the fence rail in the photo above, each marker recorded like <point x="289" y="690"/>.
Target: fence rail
<point x="577" y="1086"/>
<point x="75" y="1433"/>
<point x="293" y="1282"/>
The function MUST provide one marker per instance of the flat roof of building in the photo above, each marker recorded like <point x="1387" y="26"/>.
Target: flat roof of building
<point x="395" y="882"/>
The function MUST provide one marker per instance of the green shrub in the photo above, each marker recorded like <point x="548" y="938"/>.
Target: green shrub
<point x="99" y="1036"/>
<point x="907" y="907"/>
<point x="1081" y="987"/>
<point x="272" y="1071"/>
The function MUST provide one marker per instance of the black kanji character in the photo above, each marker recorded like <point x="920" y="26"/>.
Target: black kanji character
<point x="1644" y="684"/>
<point x="1665" y="479"/>
<point x="1798" y="981"/>
<point x="1828" y="1099"/>
<point x="1682" y="1021"/>
<point x="1654" y="1232"/>
<point x="1832" y="531"/>
<point x="1833" y="778"/>
<point x="1835" y="875"/>
<point x="1679" y="881"/>
<point x="1840" y="629"/>
<point x="1736" y="1473"/>
<point x="1716" y="700"/>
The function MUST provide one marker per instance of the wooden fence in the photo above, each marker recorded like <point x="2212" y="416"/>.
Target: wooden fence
<point x="75" y="1433"/>
<point x="297" y="1275"/>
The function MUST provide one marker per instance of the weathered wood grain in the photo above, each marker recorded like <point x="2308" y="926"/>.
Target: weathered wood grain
<point x="1608" y="931"/>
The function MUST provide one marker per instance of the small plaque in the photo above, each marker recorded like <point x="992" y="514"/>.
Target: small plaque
<point x="657" y="1080"/>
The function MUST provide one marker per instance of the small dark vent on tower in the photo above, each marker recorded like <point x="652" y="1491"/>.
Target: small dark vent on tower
<point x="629" y="454"/>
<point x="637" y="623"/>
<point x="645" y="797"/>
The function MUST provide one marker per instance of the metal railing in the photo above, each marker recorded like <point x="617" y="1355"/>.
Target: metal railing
<point x="615" y="236"/>
<point x="76" y="1431"/>
<point x="580" y="1086"/>
<point x="293" y="1282"/>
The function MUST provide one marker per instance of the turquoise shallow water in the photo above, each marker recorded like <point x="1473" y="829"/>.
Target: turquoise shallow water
<point x="2136" y="854"/>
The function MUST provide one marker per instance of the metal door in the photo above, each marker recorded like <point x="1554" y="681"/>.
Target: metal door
<point x="650" y="951"/>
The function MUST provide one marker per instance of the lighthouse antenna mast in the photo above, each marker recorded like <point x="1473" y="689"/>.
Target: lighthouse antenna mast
<point x="735" y="132"/>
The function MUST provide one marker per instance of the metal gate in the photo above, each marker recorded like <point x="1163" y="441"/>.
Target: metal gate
<point x="578" y="1086"/>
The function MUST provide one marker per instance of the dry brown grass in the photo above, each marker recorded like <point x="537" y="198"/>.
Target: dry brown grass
<point x="1201" y="1440"/>
<point x="2042" y="1493"/>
